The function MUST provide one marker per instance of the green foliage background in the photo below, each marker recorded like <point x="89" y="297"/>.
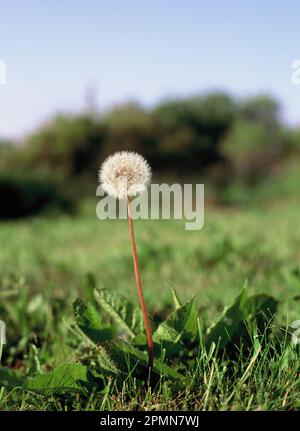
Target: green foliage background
<point x="55" y="252"/>
<point x="211" y="138"/>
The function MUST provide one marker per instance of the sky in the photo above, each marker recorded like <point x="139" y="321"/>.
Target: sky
<point x="141" y="50"/>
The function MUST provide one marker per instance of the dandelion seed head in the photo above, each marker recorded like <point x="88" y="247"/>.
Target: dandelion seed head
<point x="125" y="174"/>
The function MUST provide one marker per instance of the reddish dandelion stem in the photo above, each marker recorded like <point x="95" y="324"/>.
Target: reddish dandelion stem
<point x="139" y="287"/>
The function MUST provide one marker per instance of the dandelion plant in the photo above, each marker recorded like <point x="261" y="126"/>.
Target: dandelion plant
<point x="124" y="175"/>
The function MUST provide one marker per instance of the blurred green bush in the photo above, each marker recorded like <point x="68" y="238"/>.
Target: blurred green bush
<point x="69" y="145"/>
<point x="23" y="194"/>
<point x="130" y="127"/>
<point x="190" y="130"/>
<point x="255" y="141"/>
<point x="212" y="137"/>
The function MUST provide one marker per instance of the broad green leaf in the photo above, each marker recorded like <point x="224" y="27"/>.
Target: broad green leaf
<point x="231" y="325"/>
<point x="88" y="320"/>
<point x="118" y="356"/>
<point x="181" y="325"/>
<point x="140" y="341"/>
<point x="228" y="323"/>
<point x="68" y="377"/>
<point x="177" y="332"/>
<point x="123" y="312"/>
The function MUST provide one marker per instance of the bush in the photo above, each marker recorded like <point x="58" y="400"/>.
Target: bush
<point x="213" y="135"/>
<point x="6" y="150"/>
<point x="182" y="135"/>
<point x="191" y="129"/>
<point x="69" y="145"/>
<point x="24" y="194"/>
<point x="256" y="141"/>
<point x="130" y="127"/>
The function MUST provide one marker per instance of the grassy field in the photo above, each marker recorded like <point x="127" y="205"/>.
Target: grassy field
<point x="45" y="263"/>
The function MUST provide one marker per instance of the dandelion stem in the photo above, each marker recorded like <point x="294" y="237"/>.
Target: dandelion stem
<point x="139" y="287"/>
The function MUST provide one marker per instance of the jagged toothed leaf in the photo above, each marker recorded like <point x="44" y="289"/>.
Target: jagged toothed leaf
<point x="123" y="312"/>
<point x="118" y="356"/>
<point x="180" y="325"/>
<point x="231" y="325"/>
<point x="228" y="323"/>
<point x="176" y="300"/>
<point x="67" y="378"/>
<point x="88" y="320"/>
<point x="180" y="328"/>
<point x="107" y="364"/>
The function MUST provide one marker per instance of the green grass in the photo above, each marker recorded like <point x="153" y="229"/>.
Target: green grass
<point x="46" y="263"/>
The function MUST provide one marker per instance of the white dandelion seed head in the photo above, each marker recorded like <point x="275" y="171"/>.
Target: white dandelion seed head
<point x="124" y="174"/>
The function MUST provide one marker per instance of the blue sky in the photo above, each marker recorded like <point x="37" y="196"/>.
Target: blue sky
<point x="142" y="50"/>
